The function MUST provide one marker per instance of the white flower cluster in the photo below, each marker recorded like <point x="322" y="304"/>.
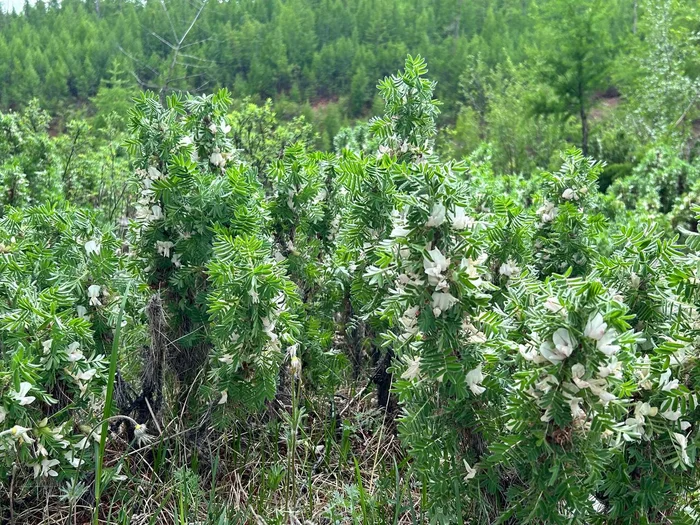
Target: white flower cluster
<point x="459" y="220"/>
<point x="570" y="194"/>
<point x="547" y="212"/>
<point x="409" y="322"/>
<point x="44" y="465"/>
<point x="147" y="209"/>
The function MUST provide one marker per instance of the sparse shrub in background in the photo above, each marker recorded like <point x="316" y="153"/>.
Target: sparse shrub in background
<point x="81" y="166"/>
<point x="28" y="172"/>
<point x="261" y="138"/>
<point x="658" y="182"/>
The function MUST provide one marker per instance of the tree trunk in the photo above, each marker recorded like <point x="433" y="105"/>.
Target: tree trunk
<point x="382" y="377"/>
<point x="584" y="129"/>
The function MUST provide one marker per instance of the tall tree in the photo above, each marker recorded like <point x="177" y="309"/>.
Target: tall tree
<point x="575" y="49"/>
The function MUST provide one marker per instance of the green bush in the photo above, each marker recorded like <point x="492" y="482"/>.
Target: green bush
<point x="534" y="341"/>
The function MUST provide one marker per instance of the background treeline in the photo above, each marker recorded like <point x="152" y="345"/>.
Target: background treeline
<point x="304" y="49"/>
<point x="518" y="80"/>
<point x="527" y="77"/>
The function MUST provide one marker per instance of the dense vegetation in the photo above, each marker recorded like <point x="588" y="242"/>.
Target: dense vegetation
<point x="479" y="305"/>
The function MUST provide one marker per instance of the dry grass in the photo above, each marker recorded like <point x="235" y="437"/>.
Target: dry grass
<point x="243" y="473"/>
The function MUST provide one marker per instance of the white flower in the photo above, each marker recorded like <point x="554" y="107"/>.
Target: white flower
<point x="74" y="354"/>
<point x="605" y="397"/>
<point x="613" y="367"/>
<point x="224" y="397"/>
<point x="642" y="372"/>
<point x="632" y="425"/>
<point x="547" y="416"/>
<point x="3" y="413"/>
<point x="578" y="370"/>
<point x="546" y="384"/>
<point x="605" y="343"/>
<point x="409" y="320"/>
<point x="682" y="441"/>
<point x="437" y="216"/>
<point x="141" y="435"/>
<point x="227" y="359"/>
<point x="550" y="354"/>
<point x="82" y="311"/>
<point x="19" y="433"/>
<point x="671" y="385"/>
<point x="400" y="231"/>
<point x="93" y="293"/>
<point x="553" y="305"/>
<point x="634" y="281"/>
<point x="564" y="342"/>
<point x="473" y="379"/>
<point x="87" y="375"/>
<point x="471" y="472"/>
<point x="164" y="248"/>
<point x="74" y="461"/>
<point x="269" y="328"/>
<point x="671" y="415"/>
<point x="528" y="352"/>
<point x="45" y="468"/>
<point x="560" y="348"/>
<point x="443" y="301"/>
<point x="472" y="271"/>
<point x="176" y="260"/>
<point x="47" y="345"/>
<point x="154" y="173"/>
<point x="383" y="150"/>
<point x="509" y="268"/>
<point x="459" y="219"/>
<point x="82" y="444"/>
<point x="21" y="396"/>
<point x="156" y="212"/>
<point x="216" y="158"/>
<point x="225" y="128"/>
<point x="576" y="411"/>
<point x="92" y="247"/>
<point x="569" y="194"/>
<point x="434" y="268"/>
<point x="185" y="141"/>
<point x="645" y="409"/>
<point x="595" y="327"/>
<point x="547" y="212"/>
<point x="413" y="370"/>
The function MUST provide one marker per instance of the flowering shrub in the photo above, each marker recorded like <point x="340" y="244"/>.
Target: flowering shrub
<point x="533" y="372"/>
<point x="535" y="340"/>
<point x="61" y="276"/>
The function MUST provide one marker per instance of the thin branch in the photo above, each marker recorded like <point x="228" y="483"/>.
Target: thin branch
<point x="167" y="15"/>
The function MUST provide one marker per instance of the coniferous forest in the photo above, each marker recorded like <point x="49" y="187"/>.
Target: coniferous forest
<point x="350" y="262"/>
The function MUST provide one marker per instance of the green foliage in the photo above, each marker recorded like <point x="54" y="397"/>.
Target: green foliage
<point x="27" y="172"/>
<point x="533" y="341"/>
<point x="80" y="166"/>
<point x="260" y="138"/>
<point x="61" y="276"/>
